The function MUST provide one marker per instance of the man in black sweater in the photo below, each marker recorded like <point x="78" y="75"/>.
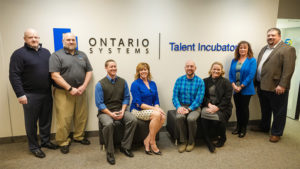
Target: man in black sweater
<point x="30" y="79"/>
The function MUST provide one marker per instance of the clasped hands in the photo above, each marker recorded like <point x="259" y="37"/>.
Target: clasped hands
<point x="77" y="91"/>
<point x="212" y="108"/>
<point x="117" y="115"/>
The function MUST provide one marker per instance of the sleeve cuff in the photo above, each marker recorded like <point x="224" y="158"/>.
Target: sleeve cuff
<point x="125" y="102"/>
<point x="102" y="106"/>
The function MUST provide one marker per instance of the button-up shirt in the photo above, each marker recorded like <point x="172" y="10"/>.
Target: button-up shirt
<point x="265" y="56"/>
<point x="99" y="98"/>
<point x="188" y="92"/>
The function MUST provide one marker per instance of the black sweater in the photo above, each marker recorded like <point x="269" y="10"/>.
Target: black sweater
<point x="29" y="70"/>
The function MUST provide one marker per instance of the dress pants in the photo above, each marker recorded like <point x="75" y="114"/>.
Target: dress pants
<point x="242" y="109"/>
<point x="69" y="108"/>
<point x="187" y="125"/>
<point x="38" y="109"/>
<point x="272" y="102"/>
<point x="130" y="123"/>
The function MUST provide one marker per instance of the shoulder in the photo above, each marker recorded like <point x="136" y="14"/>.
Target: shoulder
<point x="58" y="53"/>
<point x="225" y="81"/>
<point x="181" y="78"/>
<point x="121" y="79"/>
<point x="82" y="53"/>
<point x="198" y="78"/>
<point x="286" y="47"/>
<point x="19" y="51"/>
<point x="152" y="82"/>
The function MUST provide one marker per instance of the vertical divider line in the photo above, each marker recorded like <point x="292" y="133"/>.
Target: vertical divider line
<point x="158" y="45"/>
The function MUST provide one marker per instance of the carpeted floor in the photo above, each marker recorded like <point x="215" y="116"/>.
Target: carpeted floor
<point x="252" y="152"/>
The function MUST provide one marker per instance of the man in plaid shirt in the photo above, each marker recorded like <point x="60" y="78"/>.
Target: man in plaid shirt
<point x="188" y="95"/>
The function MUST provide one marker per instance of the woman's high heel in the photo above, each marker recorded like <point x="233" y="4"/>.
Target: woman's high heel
<point x="156" y="153"/>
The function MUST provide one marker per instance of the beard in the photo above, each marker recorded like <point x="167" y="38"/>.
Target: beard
<point x="271" y="41"/>
<point x="190" y="74"/>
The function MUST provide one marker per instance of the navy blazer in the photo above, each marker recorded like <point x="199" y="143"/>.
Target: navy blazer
<point x="247" y="74"/>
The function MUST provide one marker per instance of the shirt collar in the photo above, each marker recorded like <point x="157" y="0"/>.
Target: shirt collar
<point x="67" y="52"/>
<point x="191" y="78"/>
<point x="29" y="47"/>
<point x="112" y="80"/>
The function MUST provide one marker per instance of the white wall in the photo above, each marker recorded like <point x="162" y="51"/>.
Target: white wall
<point x="186" y="21"/>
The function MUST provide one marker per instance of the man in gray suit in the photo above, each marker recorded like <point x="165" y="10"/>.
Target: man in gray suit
<point x="276" y="64"/>
<point x="112" y="98"/>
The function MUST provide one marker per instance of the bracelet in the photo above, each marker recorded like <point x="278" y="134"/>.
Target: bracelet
<point x="70" y="89"/>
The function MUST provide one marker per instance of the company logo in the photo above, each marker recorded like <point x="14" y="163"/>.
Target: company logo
<point x="114" y="45"/>
<point x="288" y="41"/>
<point x="58" y="36"/>
<point x="202" y="47"/>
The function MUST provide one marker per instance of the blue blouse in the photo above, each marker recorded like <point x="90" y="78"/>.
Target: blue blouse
<point x="142" y="95"/>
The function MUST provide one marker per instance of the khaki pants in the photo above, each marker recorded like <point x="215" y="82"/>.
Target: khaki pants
<point x="69" y="108"/>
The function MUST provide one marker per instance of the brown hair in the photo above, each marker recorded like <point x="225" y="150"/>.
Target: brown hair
<point x="109" y="60"/>
<point x="237" y="53"/>
<point x="275" y="29"/>
<point x="140" y="67"/>
<point x="217" y="63"/>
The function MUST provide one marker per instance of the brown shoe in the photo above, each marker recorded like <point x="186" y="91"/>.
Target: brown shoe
<point x="274" y="139"/>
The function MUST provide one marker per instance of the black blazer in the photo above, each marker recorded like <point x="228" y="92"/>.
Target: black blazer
<point x="223" y="93"/>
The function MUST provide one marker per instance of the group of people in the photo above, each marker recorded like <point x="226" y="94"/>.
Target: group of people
<point x="33" y="70"/>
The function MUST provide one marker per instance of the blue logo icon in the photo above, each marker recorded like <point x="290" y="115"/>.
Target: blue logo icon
<point x="288" y="41"/>
<point x="58" y="36"/>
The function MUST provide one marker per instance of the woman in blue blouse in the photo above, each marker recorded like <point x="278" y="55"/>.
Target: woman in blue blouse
<point x="145" y="105"/>
<point x="241" y="75"/>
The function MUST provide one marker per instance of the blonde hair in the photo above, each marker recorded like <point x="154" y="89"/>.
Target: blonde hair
<point x="140" y="67"/>
<point x="217" y="63"/>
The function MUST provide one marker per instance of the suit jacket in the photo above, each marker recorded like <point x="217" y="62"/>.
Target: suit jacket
<point x="278" y="68"/>
<point x="247" y="74"/>
<point x="223" y="95"/>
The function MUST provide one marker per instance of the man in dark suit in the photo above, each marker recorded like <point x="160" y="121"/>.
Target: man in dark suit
<point x="276" y="64"/>
<point x="30" y="79"/>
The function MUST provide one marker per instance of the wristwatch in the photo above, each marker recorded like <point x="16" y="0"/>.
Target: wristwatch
<point x="70" y="89"/>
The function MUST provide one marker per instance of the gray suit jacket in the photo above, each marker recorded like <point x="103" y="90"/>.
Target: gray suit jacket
<point x="278" y="68"/>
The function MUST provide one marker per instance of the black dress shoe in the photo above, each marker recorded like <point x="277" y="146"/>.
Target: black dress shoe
<point x="242" y="134"/>
<point x="84" y="141"/>
<point x="38" y="153"/>
<point x="211" y="148"/>
<point x="127" y="152"/>
<point x="110" y="158"/>
<point x="210" y="145"/>
<point x="220" y="143"/>
<point x="235" y="131"/>
<point x="50" y="145"/>
<point x="64" y="149"/>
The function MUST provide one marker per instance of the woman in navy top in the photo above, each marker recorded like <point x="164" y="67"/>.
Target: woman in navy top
<point x="241" y="75"/>
<point x="145" y="105"/>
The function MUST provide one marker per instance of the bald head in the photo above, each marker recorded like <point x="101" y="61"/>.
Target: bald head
<point x="190" y="62"/>
<point x="190" y="68"/>
<point x="69" y="41"/>
<point x="32" y="38"/>
<point x="30" y="31"/>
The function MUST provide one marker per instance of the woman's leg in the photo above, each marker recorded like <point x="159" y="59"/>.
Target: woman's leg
<point x="154" y="127"/>
<point x="245" y="100"/>
<point x="237" y="103"/>
<point x="221" y="132"/>
<point x="205" y="125"/>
